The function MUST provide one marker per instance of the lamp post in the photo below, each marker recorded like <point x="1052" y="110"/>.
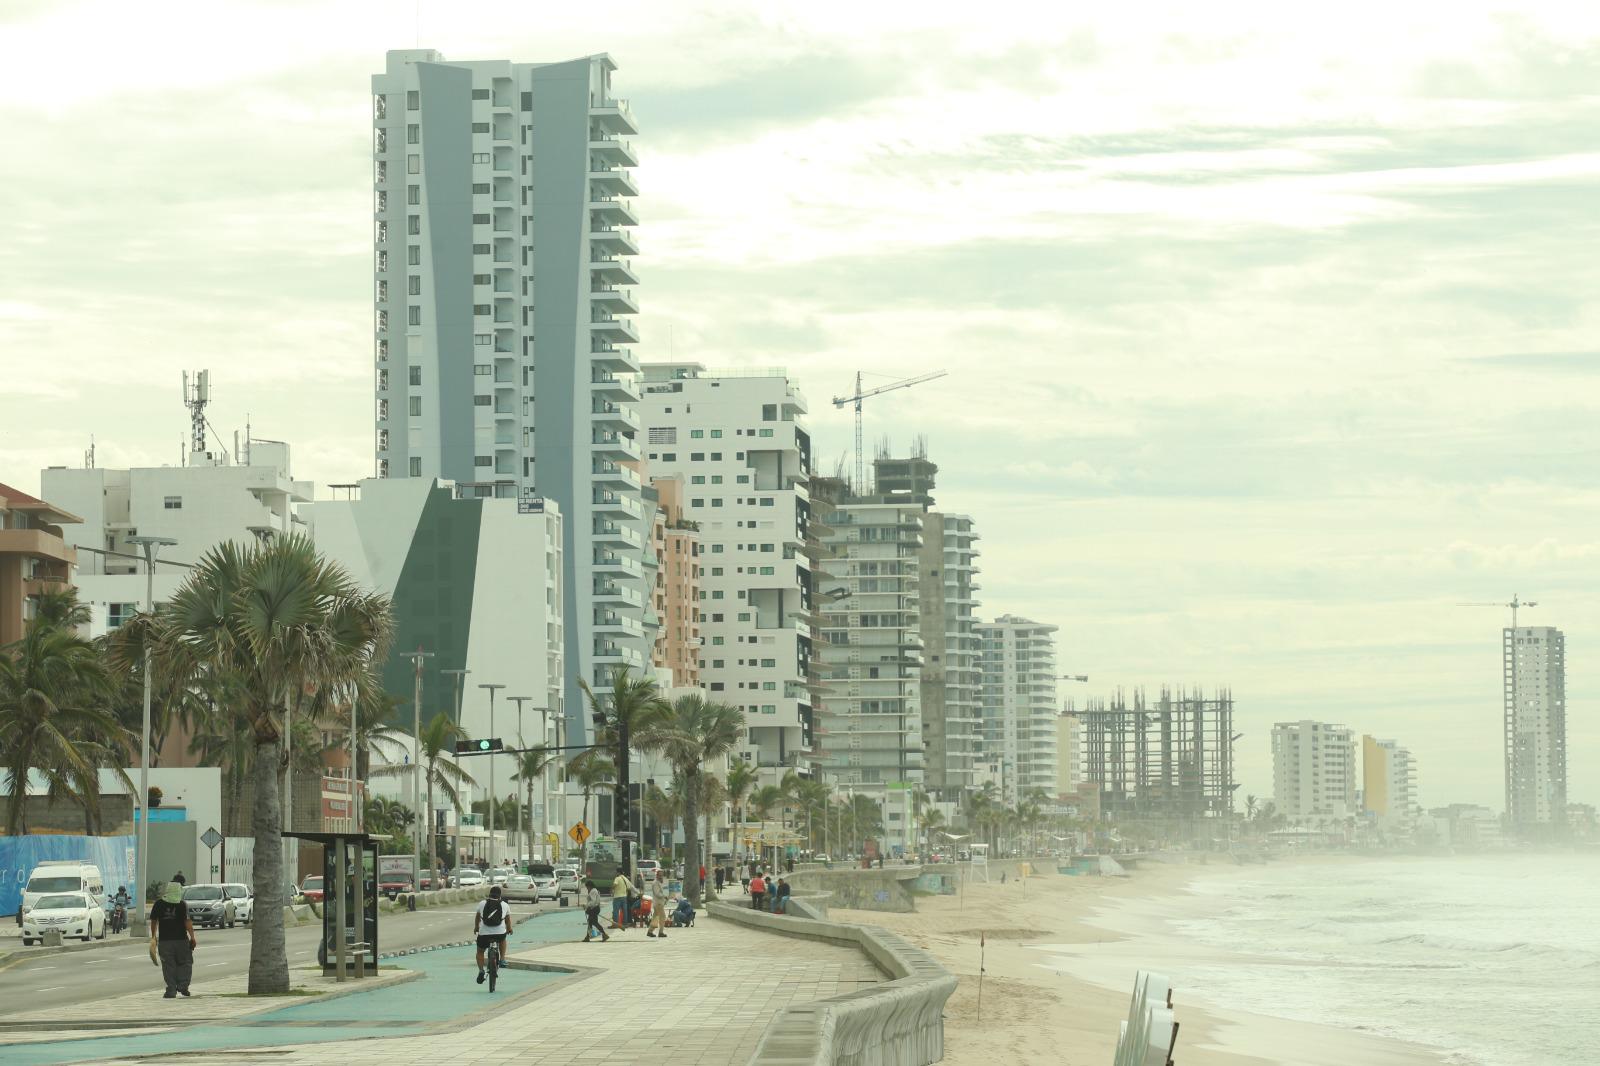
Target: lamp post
<point x="461" y="677"/>
<point x="521" y="834"/>
<point x="493" y="688"/>
<point x="417" y="814"/>
<point x="151" y="546"/>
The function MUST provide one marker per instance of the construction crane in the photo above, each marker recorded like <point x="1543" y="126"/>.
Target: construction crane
<point x="840" y="401"/>
<point x="1515" y="605"/>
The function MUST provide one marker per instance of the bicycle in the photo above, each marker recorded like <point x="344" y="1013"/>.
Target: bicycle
<point x="493" y="960"/>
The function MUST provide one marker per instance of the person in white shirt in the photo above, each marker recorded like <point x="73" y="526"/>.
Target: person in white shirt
<point x="491" y="923"/>
<point x="591" y="909"/>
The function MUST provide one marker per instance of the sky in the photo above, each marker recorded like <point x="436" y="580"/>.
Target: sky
<point x="1271" y="332"/>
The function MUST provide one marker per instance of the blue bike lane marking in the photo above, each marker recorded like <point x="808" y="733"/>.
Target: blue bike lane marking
<point x="445" y="993"/>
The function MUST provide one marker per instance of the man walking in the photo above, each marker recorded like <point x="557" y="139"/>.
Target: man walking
<point x="620" y="888"/>
<point x="172" y="940"/>
<point x="658" y="905"/>
<point x="591" y="910"/>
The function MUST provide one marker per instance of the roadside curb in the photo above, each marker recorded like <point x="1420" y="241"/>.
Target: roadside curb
<point x="13" y="958"/>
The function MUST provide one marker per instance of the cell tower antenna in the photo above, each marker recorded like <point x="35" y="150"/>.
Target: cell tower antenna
<point x="88" y="456"/>
<point x="195" y="399"/>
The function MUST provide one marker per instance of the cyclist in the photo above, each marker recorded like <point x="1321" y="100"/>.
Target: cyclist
<point x="491" y="923"/>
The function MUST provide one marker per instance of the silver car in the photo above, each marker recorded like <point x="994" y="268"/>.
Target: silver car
<point x="209" y="905"/>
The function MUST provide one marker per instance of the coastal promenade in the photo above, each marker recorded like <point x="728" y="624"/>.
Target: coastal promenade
<point x="703" y="996"/>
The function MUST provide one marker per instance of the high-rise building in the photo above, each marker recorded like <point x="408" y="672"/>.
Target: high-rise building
<point x="1314" y="771"/>
<point x="677" y="584"/>
<point x="1018" y="663"/>
<point x="501" y="231"/>
<point x="738" y="442"/>
<point x="1069" y="755"/>
<point x="870" y="736"/>
<point x="951" y="682"/>
<point x="1535" y="674"/>
<point x="1388" y="783"/>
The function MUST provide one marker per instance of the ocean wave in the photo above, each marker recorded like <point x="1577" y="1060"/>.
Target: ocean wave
<point x="1515" y="948"/>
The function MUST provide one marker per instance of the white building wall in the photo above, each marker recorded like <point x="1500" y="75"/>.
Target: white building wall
<point x="1019" y="703"/>
<point x="1314" y="771"/>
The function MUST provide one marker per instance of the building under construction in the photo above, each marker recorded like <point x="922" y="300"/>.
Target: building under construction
<point x="1168" y="760"/>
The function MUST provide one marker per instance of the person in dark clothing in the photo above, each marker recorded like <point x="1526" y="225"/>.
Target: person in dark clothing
<point x="721" y="876"/>
<point x="791" y="865"/>
<point x="179" y="879"/>
<point x="172" y="935"/>
<point x="591" y="910"/>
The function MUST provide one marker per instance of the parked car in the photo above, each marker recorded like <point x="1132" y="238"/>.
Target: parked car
<point x="244" y="901"/>
<point x="311" y="888"/>
<point x="520" y="887"/>
<point x="57" y="876"/>
<point x="209" y="905"/>
<point x="647" y="870"/>
<point x="394" y="884"/>
<point x="73" y="913"/>
<point x="567" y="878"/>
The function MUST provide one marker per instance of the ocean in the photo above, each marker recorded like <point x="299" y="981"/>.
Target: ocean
<point x="1494" y="960"/>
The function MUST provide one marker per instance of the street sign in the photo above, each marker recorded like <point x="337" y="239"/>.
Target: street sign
<point x="211" y="838"/>
<point x="579" y="833"/>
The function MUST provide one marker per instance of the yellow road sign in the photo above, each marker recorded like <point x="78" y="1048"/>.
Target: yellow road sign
<point x="579" y="833"/>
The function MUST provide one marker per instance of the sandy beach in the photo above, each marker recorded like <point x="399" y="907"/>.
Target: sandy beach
<point x="1040" y="1005"/>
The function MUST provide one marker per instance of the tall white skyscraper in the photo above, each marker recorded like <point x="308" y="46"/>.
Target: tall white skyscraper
<point x="737" y="441"/>
<point x="1018" y="663"/>
<point x="501" y="231"/>
<point x="1535" y="673"/>
<point x="1314" y="771"/>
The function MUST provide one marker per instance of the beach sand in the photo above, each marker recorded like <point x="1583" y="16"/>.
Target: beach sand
<point x="1033" y="1013"/>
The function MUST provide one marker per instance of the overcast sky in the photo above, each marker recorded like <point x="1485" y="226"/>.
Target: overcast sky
<point x="1271" y="337"/>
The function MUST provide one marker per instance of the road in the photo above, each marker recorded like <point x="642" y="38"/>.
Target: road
<point x="72" y="981"/>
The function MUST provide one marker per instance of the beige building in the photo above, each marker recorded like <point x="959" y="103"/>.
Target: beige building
<point x="34" y="558"/>
<point x="1069" y="756"/>
<point x="676" y="543"/>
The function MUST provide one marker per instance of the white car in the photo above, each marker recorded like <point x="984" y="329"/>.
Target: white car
<point x="647" y="870"/>
<point x="71" y="913"/>
<point x="468" y="877"/>
<point x="545" y="886"/>
<point x="567" y="878"/>
<point x="244" y="901"/>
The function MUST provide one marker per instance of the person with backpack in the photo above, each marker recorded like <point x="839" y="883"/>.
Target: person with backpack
<point x="491" y="923"/>
<point x="591" y="909"/>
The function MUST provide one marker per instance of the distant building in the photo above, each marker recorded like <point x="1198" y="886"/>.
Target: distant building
<point x="1069" y="756"/>
<point x="1466" y="825"/>
<point x="36" y="556"/>
<point x="1388" y="783"/>
<point x="1535" y="674"/>
<point x="1313" y="771"/>
<point x="676" y="543"/>
<point x="1018" y="664"/>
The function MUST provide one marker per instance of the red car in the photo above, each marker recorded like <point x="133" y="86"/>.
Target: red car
<point x="394" y="886"/>
<point x="312" y="889"/>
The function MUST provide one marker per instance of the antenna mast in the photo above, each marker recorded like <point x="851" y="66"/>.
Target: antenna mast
<point x="195" y="399"/>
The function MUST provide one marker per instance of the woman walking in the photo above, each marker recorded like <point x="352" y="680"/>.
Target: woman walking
<point x="591" y="910"/>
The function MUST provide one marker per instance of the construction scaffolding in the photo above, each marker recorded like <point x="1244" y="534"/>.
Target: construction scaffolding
<point x="1168" y="761"/>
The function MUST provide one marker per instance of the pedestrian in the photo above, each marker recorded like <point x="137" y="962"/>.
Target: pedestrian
<point x="179" y="879"/>
<point x="172" y="940"/>
<point x="721" y="876"/>
<point x="620" y="888"/>
<point x="781" y="897"/>
<point x="791" y="864"/>
<point x="758" y="889"/>
<point x="591" y="910"/>
<point x="744" y="877"/>
<point x="658" y="906"/>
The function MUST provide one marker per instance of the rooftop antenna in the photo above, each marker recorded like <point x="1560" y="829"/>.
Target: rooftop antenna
<point x="88" y="456"/>
<point x="195" y="399"/>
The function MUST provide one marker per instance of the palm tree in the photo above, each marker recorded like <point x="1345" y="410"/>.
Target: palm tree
<point x="590" y="773"/>
<point x="691" y="734"/>
<point x="532" y="765"/>
<point x="439" y="736"/>
<point x="663" y="808"/>
<point x="53" y="689"/>
<point x="280" y="622"/>
<point x="631" y="708"/>
<point x="713" y="796"/>
<point x="813" y="801"/>
<point x="376" y="713"/>
<point x="741" y="780"/>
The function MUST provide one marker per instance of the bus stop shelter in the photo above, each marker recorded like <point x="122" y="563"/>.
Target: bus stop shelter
<point x="349" y="889"/>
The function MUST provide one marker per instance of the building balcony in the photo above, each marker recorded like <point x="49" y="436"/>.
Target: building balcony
<point x="612" y="622"/>
<point x="610" y="653"/>
<point x="608" y="357"/>
<point x="608" y="241"/>
<point x="607" y="151"/>
<point x="611" y="270"/>
<point x="607" y="386"/>
<point x="611" y="534"/>
<point x="603" y="414"/>
<point x="608" y="562"/>
<point x="36" y="544"/>
<point x="613" y="330"/>
<point x="606" y="592"/>
<point x="614" y="445"/>
<point x="613" y="212"/>
<point x="615" y="181"/>
<point x="606" y="475"/>
<point x="611" y="115"/>
<point x="609" y="301"/>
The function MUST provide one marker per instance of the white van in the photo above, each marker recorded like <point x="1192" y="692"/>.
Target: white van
<point x="62" y="875"/>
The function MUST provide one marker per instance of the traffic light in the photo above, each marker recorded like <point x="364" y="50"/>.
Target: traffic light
<point x="485" y="746"/>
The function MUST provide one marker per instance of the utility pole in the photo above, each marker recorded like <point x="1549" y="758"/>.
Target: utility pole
<point x="151" y="547"/>
<point x="416" y="770"/>
<point x="493" y="688"/>
<point x="523" y="836"/>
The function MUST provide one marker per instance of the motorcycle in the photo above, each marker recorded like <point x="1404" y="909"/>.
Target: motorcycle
<point x="119" y="918"/>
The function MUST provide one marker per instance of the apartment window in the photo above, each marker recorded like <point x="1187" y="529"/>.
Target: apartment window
<point x="716" y="479"/>
<point x="480" y="220"/>
<point x="766" y="570"/>
<point x="413" y="164"/>
<point x="716" y="642"/>
<point x="415" y="375"/>
<point x="482" y="370"/>
<point x="716" y="434"/>
<point x="118" y="613"/>
<point x="697" y="503"/>
<point x="769" y="412"/>
<point x="716" y="594"/>
<point x="697" y="433"/>
<point x="414" y="255"/>
<point x="716" y="549"/>
<point x="716" y="457"/>
<point x="480" y="157"/>
<point x="716" y="686"/>
<point x="413" y="194"/>
<point x="669" y="457"/>
<point x="482" y="401"/>
<point x="482" y="279"/>
<point x="482" y="309"/>
<point x="766" y="501"/>
<point x="414" y="285"/>
<point x="414" y="315"/>
<point x="769" y="686"/>
<point x="413" y="134"/>
<point x="413" y="224"/>
<point x="697" y="457"/>
<point x="413" y="100"/>
<point x="480" y="127"/>
<point x="481" y="249"/>
<point x="173" y="503"/>
<point x="481" y="187"/>
<point x="742" y="479"/>
<point x="766" y="432"/>
<point x="767" y="708"/>
<point x="482" y="340"/>
<point x="527" y="101"/>
<point x="416" y="466"/>
<point x="480" y="94"/>
<point x="716" y="502"/>
<point x="414" y="406"/>
<point x="716" y="571"/>
<point x="698" y="479"/>
<point x="482" y="460"/>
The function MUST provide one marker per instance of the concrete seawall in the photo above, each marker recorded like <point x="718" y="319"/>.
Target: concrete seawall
<point x="894" y="889"/>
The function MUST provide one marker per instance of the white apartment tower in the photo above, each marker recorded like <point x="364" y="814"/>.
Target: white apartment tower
<point x="501" y="231"/>
<point x="1018" y="663"/>
<point x="870" y="730"/>
<point x="1535" y="675"/>
<point x="952" y="714"/>
<point x="737" y="441"/>
<point x="1314" y="774"/>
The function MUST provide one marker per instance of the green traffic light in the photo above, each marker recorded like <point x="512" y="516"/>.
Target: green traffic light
<point x="483" y="745"/>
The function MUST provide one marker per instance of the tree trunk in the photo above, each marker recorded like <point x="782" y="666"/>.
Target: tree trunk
<point x="269" y="958"/>
<point x="707" y="847"/>
<point x="691" y="837"/>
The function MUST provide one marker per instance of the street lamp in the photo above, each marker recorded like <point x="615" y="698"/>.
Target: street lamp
<point x="417" y="813"/>
<point x="461" y="677"/>
<point x="151" y="547"/>
<point x="493" y="688"/>
<point x="519" y="701"/>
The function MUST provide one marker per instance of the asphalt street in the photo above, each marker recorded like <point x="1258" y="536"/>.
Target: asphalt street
<point x="73" y="981"/>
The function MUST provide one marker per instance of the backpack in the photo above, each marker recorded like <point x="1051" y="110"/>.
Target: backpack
<point x="493" y="912"/>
